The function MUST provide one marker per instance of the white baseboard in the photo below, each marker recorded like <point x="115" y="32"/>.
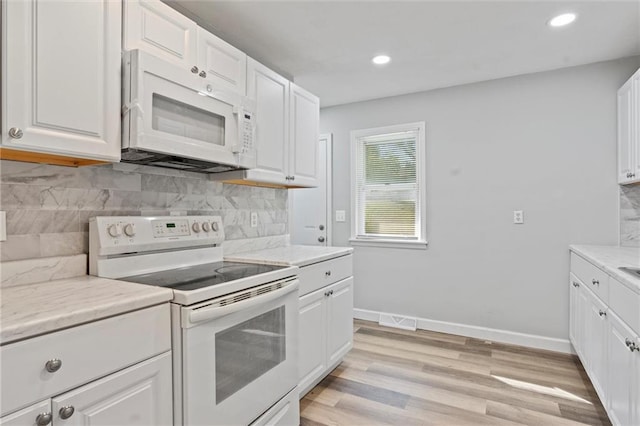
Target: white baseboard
<point x="485" y="333"/>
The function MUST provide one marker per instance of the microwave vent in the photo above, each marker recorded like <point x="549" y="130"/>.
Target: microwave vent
<point x="148" y="158"/>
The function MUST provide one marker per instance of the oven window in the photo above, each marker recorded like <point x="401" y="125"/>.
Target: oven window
<point x="177" y="118"/>
<point x="246" y="351"/>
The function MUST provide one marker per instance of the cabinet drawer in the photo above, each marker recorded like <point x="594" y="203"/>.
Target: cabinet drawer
<point x="321" y="274"/>
<point x="625" y="303"/>
<point x="86" y="352"/>
<point x="591" y="276"/>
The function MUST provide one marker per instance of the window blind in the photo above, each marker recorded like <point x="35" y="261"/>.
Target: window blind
<point x="387" y="203"/>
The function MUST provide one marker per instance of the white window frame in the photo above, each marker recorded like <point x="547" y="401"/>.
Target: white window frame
<point x="401" y="242"/>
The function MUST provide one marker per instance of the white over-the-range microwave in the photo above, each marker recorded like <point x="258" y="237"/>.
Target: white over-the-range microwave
<point x="173" y="118"/>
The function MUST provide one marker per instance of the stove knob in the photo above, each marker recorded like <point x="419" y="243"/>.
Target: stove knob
<point x="195" y="227"/>
<point x="129" y="230"/>
<point x="206" y="227"/>
<point x="214" y="226"/>
<point x="115" y="230"/>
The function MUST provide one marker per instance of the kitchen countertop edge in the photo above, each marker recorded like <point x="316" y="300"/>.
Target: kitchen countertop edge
<point x="609" y="258"/>
<point x="35" y="309"/>
<point x="292" y="255"/>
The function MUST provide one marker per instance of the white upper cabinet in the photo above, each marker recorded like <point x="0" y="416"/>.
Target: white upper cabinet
<point x="629" y="131"/>
<point x="156" y="28"/>
<point x="287" y="132"/>
<point x="61" y="78"/>
<point x="271" y="93"/>
<point x="222" y="63"/>
<point x="152" y="26"/>
<point x="304" y="133"/>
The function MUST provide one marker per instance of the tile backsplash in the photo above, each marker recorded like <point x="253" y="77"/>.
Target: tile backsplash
<point x="630" y="215"/>
<point x="48" y="207"/>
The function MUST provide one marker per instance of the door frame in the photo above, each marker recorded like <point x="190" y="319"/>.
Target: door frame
<point x="328" y="137"/>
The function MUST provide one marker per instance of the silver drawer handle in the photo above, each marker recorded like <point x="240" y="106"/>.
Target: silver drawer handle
<point x="66" y="412"/>
<point x="602" y="313"/>
<point x="53" y="365"/>
<point x="203" y="74"/>
<point x="627" y="342"/>
<point x="327" y="274"/>
<point x="595" y="282"/>
<point x="43" y="419"/>
<point x="15" y="133"/>
<point x="194" y="69"/>
<point x="575" y="284"/>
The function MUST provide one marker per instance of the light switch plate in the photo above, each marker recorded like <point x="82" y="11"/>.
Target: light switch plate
<point x="254" y="219"/>
<point x="3" y="226"/>
<point x="340" y="216"/>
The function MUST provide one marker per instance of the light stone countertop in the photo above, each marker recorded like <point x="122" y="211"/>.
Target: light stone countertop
<point x="609" y="258"/>
<point x="34" y="309"/>
<point x="294" y="255"/>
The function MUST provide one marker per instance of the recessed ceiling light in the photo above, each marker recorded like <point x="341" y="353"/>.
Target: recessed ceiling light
<point x="562" y="20"/>
<point x="381" y="60"/>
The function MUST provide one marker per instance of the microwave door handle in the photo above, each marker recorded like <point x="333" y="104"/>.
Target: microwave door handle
<point x="195" y="316"/>
<point x="237" y="147"/>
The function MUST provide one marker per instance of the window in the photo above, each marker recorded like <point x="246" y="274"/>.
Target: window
<point x="388" y="186"/>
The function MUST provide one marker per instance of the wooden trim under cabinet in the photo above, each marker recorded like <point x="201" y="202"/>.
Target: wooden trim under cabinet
<point x="39" y="157"/>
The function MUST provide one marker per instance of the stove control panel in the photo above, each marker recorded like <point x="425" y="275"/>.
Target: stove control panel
<point x="126" y="234"/>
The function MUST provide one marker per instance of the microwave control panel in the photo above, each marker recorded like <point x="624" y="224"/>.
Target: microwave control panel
<point x="246" y="131"/>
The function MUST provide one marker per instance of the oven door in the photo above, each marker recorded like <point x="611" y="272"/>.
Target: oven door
<point x="171" y="111"/>
<point x="239" y="356"/>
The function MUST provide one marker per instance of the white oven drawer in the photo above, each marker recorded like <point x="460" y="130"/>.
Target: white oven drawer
<point x="318" y="275"/>
<point x="285" y="412"/>
<point x="86" y="352"/>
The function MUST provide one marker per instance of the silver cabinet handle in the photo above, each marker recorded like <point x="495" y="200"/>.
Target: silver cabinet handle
<point x="330" y="292"/>
<point x="44" y="419"/>
<point x="627" y="342"/>
<point x="53" y="365"/>
<point x="15" y="133"/>
<point x="327" y="274"/>
<point x="633" y="347"/>
<point x="293" y="178"/>
<point x="66" y="412"/>
<point x="321" y="239"/>
<point x="203" y="74"/>
<point x="321" y="227"/>
<point x="602" y="313"/>
<point x="575" y="284"/>
<point x="194" y="69"/>
<point x="595" y="282"/>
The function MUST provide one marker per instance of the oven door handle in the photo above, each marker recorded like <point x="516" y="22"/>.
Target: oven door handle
<point x="194" y="316"/>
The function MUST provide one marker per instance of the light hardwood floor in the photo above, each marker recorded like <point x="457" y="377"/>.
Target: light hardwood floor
<point x="397" y="377"/>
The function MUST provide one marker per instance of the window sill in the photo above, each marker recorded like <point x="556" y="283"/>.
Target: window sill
<point x="414" y="245"/>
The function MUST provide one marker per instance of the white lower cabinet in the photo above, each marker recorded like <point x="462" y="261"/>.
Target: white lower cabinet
<point x="326" y="331"/>
<point x="624" y="374"/>
<point x="608" y="346"/>
<point x="116" y="371"/>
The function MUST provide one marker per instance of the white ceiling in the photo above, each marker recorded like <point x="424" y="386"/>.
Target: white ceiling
<point x="327" y="46"/>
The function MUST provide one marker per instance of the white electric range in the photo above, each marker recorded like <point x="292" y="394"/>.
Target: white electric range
<point x="234" y="325"/>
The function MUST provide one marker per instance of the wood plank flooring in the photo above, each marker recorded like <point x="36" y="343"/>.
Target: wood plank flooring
<point x="398" y="377"/>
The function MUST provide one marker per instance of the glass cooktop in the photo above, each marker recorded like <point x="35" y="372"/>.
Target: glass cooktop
<point x="200" y="276"/>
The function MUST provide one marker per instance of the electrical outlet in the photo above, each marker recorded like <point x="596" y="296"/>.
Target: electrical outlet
<point x="340" y="216"/>
<point x="518" y="217"/>
<point x="3" y="226"/>
<point x="254" y="219"/>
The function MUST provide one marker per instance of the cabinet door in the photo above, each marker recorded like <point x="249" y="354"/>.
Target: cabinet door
<point x="583" y="338"/>
<point x="621" y="365"/>
<point x="154" y="27"/>
<point x="138" y="395"/>
<point x="271" y="93"/>
<point x="27" y="416"/>
<point x="223" y="64"/>
<point x="595" y="350"/>
<point x="626" y="131"/>
<point x="304" y="134"/>
<point x="61" y="77"/>
<point x="339" y="320"/>
<point x="312" y="339"/>
<point x="574" y="320"/>
<point x="635" y="126"/>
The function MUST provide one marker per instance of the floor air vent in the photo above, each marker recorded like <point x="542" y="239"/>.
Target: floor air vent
<point x="398" y="321"/>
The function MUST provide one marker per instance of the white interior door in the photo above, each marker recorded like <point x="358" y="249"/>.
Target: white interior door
<point x="310" y="208"/>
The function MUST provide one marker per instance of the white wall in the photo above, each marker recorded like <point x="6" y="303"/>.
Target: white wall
<point x="543" y="143"/>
